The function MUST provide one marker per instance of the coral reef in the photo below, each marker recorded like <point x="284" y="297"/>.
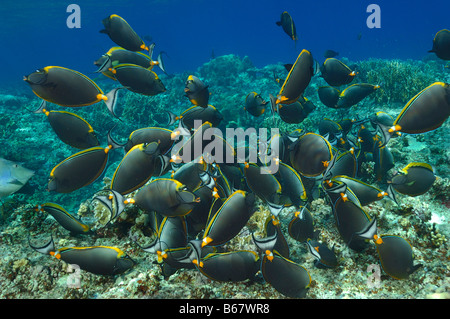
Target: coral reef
<point x="422" y="220"/>
<point x="397" y="78"/>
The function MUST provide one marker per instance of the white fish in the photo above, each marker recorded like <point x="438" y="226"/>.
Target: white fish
<point x="13" y="177"/>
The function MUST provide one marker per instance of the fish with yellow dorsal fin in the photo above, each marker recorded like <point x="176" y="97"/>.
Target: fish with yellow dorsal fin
<point x="122" y="34"/>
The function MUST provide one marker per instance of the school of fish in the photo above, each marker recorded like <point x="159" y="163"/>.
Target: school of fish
<point x="196" y="207"/>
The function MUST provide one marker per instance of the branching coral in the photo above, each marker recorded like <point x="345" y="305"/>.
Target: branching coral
<point x="399" y="80"/>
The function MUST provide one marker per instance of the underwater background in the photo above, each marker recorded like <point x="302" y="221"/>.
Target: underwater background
<point x="235" y="47"/>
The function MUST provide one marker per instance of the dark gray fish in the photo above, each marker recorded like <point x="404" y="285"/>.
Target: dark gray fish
<point x="441" y="45"/>
<point x="287" y="23"/>
<point x="330" y="54"/>
<point x="121" y="33"/>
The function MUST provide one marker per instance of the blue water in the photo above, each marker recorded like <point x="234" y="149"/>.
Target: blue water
<point x="34" y="34"/>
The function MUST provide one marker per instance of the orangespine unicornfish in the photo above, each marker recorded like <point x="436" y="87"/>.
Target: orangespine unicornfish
<point x="118" y="55"/>
<point x="190" y="174"/>
<point x="274" y="239"/>
<point x="65" y="219"/>
<point x="226" y="221"/>
<point x="151" y="134"/>
<point x="310" y="154"/>
<point x="307" y="106"/>
<point x="330" y="54"/>
<point x="13" y="177"/>
<point x="208" y="179"/>
<point x="121" y="33"/>
<point x="286" y="276"/>
<point x="301" y="226"/>
<point x="196" y="91"/>
<point x="198" y="217"/>
<point x="338" y="190"/>
<point x="330" y="127"/>
<point x="296" y="112"/>
<point x="267" y="243"/>
<point x="68" y="88"/>
<point x="366" y="193"/>
<point x="138" y="79"/>
<point x="231" y="266"/>
<point x="170" y="261"/>
<point x="273" y="228"/>
<point x="166" y="196"/>
<point x="329" y="96"/>
<point x="80" y="169"/>
<point x="172" y="233"/>
<point x="441" y="44"/>
<point x="351" y="219"/>
<point x="384" y="160"/>
<point x="70" y="128"/>
<point x="355" y="93"/>
<point x="218" y="142"/>
<point x="381" y="118"/>
<point x="99" y="260"/>
<point x="195" y="253"/>
<point x="336" y="73"/>
<point x="325" y="257"/>
<point x="425" y="112"/>
<point x="287" y="23"/>
<point x="153" y="221"/>
<point x="328" y="174"/>
<point x="281" y="142"/>
<point x="261" y="182"/>
<point x="291" y="184"/>
<point x="348" y="123"/>
<point x="190" y="147"/>
<point x="104" y="65"/>
<point x="413" y="180"/>
<point x="366" y="139"/>
<point x="297" y="80"/>
<point x="396" y="254"/>
<point x="229" y="178"/>
<point x="114" y="202"/>
<point x="255" y="104"/>
<point x="209" y="114"/>
<point x="137" y="166"/>
<point x="345" y="163"/>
